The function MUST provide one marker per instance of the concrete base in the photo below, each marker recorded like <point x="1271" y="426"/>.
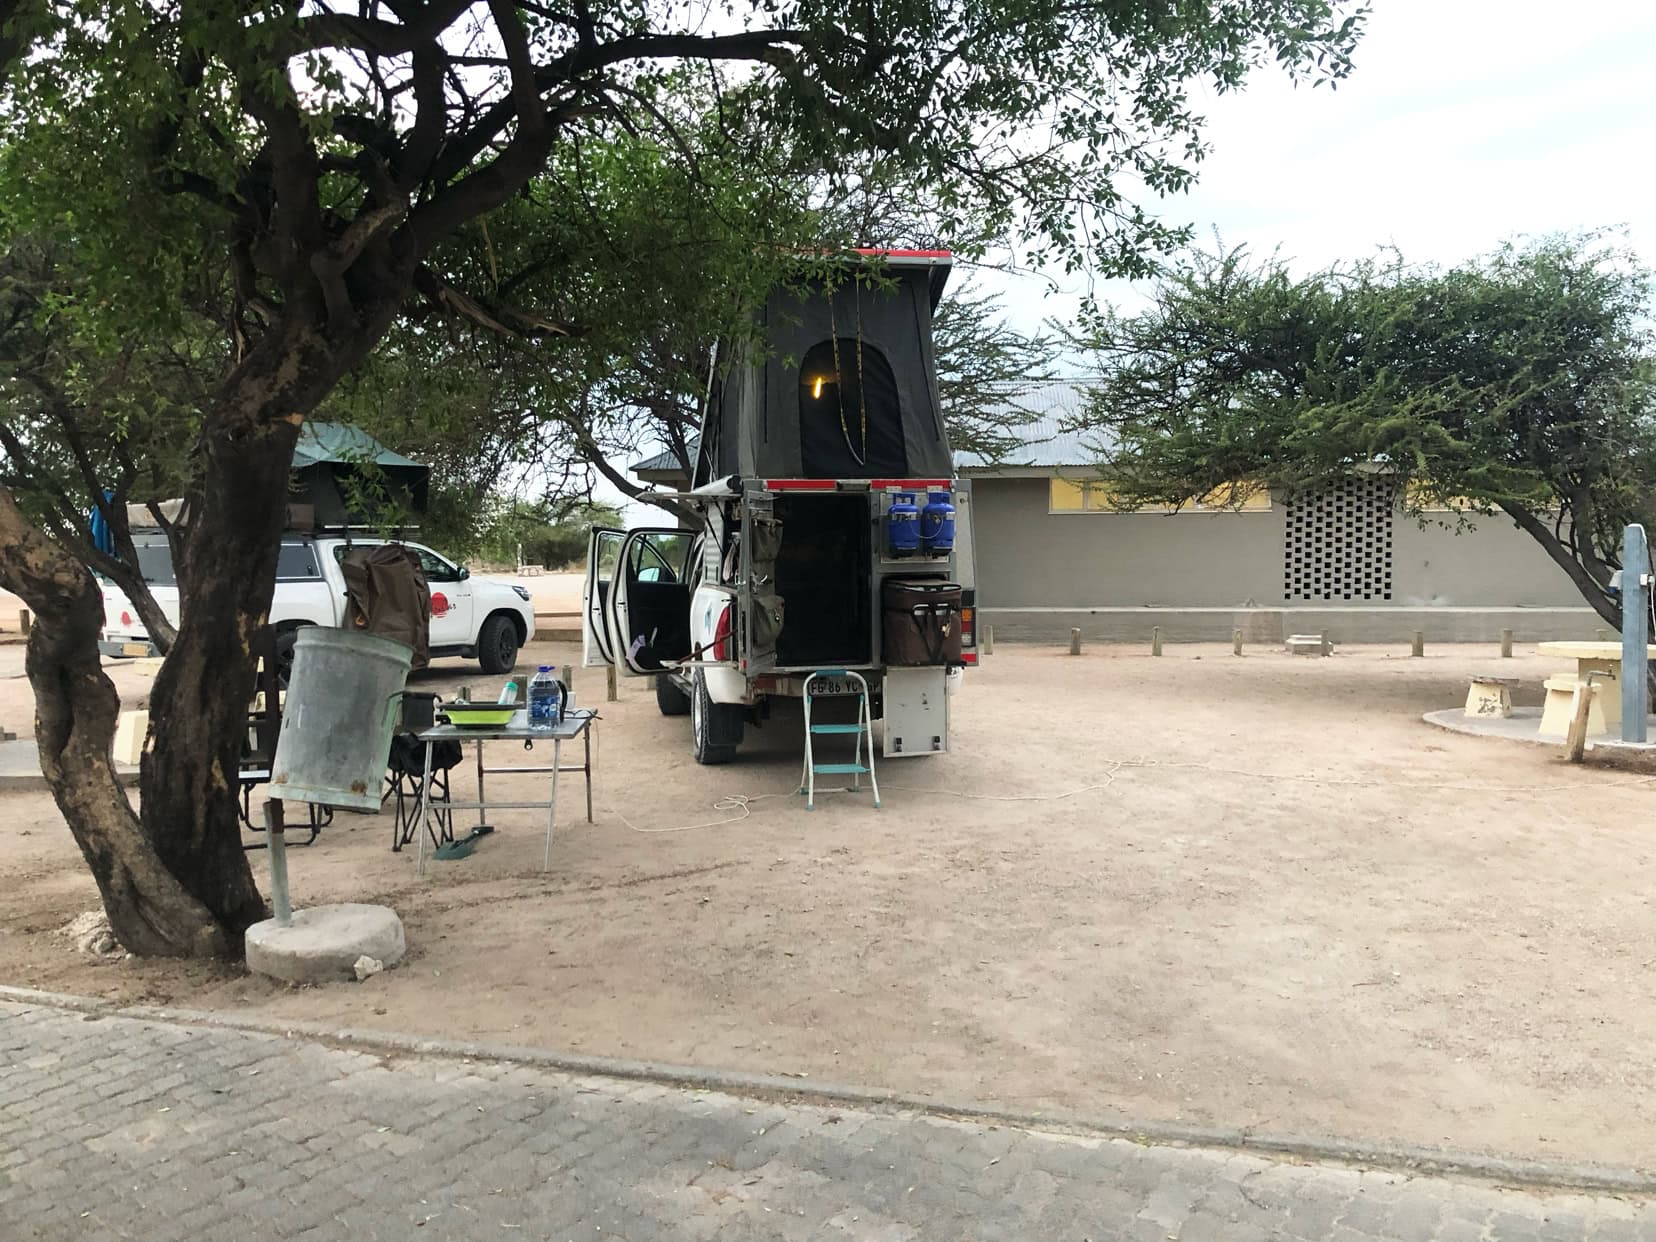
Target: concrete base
<point x="20" y="767"/>
<point x="1524" y="725"/>
<point x="324" y="942"/>
<point x="1387" y="623"/>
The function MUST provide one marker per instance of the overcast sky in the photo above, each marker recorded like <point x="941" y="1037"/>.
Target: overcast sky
<point x="1464" y="122"/>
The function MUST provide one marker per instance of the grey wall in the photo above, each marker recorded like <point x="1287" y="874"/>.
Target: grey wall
<point x="1030" y="559"/>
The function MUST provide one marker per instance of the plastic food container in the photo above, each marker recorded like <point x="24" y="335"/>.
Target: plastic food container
<point x="479" y="715"/>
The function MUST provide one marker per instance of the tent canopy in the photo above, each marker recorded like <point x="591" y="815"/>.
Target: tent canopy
<point x="349" y="478"/>
<point x="842" y="383"/>
<point x="344" y="444"/>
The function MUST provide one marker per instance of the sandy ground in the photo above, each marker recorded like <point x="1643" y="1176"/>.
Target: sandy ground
<point x="1272" y="898"/>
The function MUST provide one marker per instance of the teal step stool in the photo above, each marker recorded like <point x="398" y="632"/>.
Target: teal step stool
<point x="863" y="731"/>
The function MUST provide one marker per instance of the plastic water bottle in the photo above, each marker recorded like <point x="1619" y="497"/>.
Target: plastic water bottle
<point x="545" y="698"/>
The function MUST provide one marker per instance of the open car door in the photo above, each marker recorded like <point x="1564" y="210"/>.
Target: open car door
<point x="647" y="607"/>
<point x="603" y="549"/>
<point x="761" y="606"/>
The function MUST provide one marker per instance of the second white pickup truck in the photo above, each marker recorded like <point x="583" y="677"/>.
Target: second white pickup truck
<point x="474" y="618"/>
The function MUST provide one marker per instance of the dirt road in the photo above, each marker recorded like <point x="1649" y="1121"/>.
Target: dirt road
<point x="1272" y="897"/>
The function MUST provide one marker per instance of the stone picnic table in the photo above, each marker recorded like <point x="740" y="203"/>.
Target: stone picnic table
<point x="1598" y="664"/>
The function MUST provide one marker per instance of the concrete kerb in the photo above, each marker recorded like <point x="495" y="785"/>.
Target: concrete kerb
<point x="1312" y="1149"/>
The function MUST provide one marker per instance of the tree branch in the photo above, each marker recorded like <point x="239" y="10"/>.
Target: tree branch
<point x="1595" y="592"/>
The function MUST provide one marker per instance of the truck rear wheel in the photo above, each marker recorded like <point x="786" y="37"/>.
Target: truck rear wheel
<point x="715" y="728"/>
<point x="286" y="637"/>
<point x="670" y="700"/>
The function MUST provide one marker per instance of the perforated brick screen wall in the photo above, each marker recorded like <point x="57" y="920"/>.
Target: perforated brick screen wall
<point x="1338" y="543"/>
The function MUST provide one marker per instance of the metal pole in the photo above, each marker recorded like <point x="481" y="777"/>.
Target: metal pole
<point x="552" y="806"/>
<point x="278" y="862"/>
<point x="1635" y="674"/>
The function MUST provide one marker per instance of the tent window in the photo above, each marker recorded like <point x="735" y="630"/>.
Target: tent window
<point x="850" y="420"/>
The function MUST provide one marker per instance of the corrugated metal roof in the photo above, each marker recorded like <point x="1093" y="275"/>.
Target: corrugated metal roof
<point x="662" y="461"/>
<point x="1051" y="438"/>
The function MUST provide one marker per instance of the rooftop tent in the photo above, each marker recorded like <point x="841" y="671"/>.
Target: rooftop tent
<point x="842" y="384"/>
<point x="328" y="463"/>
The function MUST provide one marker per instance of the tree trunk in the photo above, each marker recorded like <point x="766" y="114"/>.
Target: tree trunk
<point x="198" y="707"/>
<point x="76" y="708"/>
<point x="180" y="883"/>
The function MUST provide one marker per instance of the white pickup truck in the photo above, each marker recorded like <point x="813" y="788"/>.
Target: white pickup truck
<point x="474" y="618"/>
<point x="803" y="554"/>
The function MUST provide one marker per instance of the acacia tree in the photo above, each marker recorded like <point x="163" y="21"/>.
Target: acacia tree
<point x="1523" y="384"/>
<point x="89" y="426"/>
<point x="336" y="149"/>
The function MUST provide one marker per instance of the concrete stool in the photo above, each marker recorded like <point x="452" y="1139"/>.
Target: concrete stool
<point x="1603" y="713"/>
<point x="1490" y="696"/>
<point x="130" y="728"/>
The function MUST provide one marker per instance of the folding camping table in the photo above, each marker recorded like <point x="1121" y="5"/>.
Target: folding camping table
<point x="575" y="724"/>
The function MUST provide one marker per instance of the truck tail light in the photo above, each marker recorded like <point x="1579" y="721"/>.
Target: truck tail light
<point x="126" y="618"/>
<point x="968" y="627"/>
<point x="721" y="636"/>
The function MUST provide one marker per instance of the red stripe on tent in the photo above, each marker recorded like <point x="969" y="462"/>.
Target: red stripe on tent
<point x="907" y="254"/>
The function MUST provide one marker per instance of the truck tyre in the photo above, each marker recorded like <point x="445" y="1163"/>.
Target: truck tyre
<point x="285" y="638"/>
<point x="497" y="644"/>
<point x="715" y="728"/>
<point x="670" y="700"/>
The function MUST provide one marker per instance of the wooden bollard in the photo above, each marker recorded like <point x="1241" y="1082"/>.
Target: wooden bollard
<point x="1075" y="642"/>
<point x="1155" y="640"/>
<point x="609" y="683"/>
<point x="988" y="640"/>
<point x="1418" y="647"/>
<point x="1506" y="644"/>
<point x="23" y="620"/>
<point x="1236" y="642"/>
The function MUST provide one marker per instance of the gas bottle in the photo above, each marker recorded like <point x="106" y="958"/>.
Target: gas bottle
<point x="937" y="523"/>
<point x="903" y="525"/>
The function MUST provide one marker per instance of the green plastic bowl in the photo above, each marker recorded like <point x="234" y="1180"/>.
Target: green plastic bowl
<point x="478" y="715"/>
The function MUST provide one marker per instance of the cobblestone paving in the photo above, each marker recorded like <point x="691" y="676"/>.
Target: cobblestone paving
<point x="122" y="1128"/>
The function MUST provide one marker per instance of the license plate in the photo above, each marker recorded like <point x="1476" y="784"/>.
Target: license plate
<point x="135" y="649"/>
<point x="824" y="686"/>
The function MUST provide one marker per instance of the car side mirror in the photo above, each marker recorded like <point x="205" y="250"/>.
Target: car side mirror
<point x="464" y="573"/>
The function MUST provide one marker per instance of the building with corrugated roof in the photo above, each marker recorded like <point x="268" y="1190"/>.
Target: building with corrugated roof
<point x="1054" y="552"/>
